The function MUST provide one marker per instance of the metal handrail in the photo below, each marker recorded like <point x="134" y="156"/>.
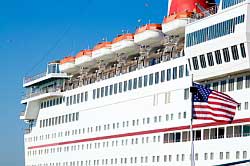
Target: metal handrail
<point x="32" y="78"/>
<point x="48" y="90"/>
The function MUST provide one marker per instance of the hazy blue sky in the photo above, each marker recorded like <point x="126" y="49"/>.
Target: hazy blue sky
<point x="34" y="32"/>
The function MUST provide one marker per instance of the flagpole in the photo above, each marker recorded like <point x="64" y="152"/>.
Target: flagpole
<point x="192" y="91"/>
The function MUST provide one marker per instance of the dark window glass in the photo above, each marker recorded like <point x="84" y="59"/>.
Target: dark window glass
<point x="195" y="63"/>
<point x="181" y="71"/>
<point x="120" y="87"/>
<point x="243" y="50"/>
<point x="125" y="86"/>
<point x="218" y="57"/>
<point x="210" y="59"/>
<point x="239" y="83"/>
<point x="135" y="83"/>
<point x="115" y="88"/>
<point x="111" y="89"/>
<point x="86" y="96"/>
<point x="163" y="75"/>
<point x="145" y="80"/>
<point x="168" y="74"/>
<point x="140" y="82"/>
<point x="98" y="93"/>
<point x="231" y="85"/>
<point x="82" y="97"/>
<point x="175" y="73"/>
<point x="226" y="55"/>
<point x="157" y="77"/>
<point x="102" y="91"/>
<point x="106" y="90"/>
<point x="223" y="86"/>
<point x="151" y="78"/>
<point x="94" y="93"/>
<point x="130" y="84"/>
<point x="248" y="81"/>
<point x="215" y="86"/>
<point x="203" y="61"/>
<point x="235" y="52"/>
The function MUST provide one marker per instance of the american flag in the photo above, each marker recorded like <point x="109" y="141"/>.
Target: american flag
<point x="212" y="105"/>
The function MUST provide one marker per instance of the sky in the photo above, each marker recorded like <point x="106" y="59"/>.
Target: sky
<point x="35" y="32"/>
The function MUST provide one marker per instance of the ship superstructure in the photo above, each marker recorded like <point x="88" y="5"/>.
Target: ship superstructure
<point x="127" y="102"/>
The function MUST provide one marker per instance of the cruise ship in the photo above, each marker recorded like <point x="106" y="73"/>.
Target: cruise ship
<point x="127" y="102"/>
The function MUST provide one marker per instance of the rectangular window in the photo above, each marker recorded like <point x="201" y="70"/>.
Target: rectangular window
<point x="98" y="93"/>
<point x="226" y="55"/>
<point x="111" y="89"/>
<point x="246" y="130"/>
<point x="135" y="83"/>
<point x="186" y="94"/>
<point x="74" y="101"/>
<point x="163" y="75"/>
<point x="235" y="52"/>
<point x="231" y="85"/>
<point x="94" y="94"/>
<point x="71" y="100"/>
<point x="174" y="73"/>
<point x="151" y="79"/>
<point x="102" y="91"/>
<point x="82" y="97"/>
<point x="120" y="87"/>
<point x="210" y="59"/>
<point x="157" y="77"/>
<point x="223" y="86"/>
<point x="247" y="81"/>
<point x="181" y="71"/>
<point x="215" y="86"/>
<point x="239" y="83"/>
<point x="106" y="90"/>
<point x="243" y="50"/>
<point x="140" y="82"/>
<point x="125" y="86"/>
<point x="78" y="98"/>
<point x="168" y="74"/>
<point x="195" y="63"/>
<point x="203" y="61"/>
<point x="130" y="84"/>
<point x="218" y="57"/>
<point x="145" y="79"/>
<point x="237" y="131"/>
<point x="115" y="88"/>
<point x="229" y="132"/>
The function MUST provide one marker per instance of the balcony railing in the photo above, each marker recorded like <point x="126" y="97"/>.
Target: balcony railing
<point x="48" y="90"/>
<point x="32" y="78"/>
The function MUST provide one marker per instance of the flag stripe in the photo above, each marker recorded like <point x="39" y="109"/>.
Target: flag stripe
<point x="207" y="107"/>
<point x="221" y="104"/>
<point x="213" y="114"/>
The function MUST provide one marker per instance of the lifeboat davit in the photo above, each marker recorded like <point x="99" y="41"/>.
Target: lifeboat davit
<point x="149" y="35"/>
<point x="102" y="51"/>
<point x="124" y="44"/>
<point x="83" y="58"/>
<point x="67" y="65"/>
<point x="175" y="24"/>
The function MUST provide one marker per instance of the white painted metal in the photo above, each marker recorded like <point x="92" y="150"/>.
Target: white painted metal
<point x="149" y="37"/>
<point x="125" y="47"/>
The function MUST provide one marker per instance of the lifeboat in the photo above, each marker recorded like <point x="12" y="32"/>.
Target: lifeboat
<point x="102" y="51"/>
<point x="175" y="24"/>
<point x="149" y="35"/>
<point x="124" y="44"/>
<point x="67" y="65"/>
<point x="83" y="58"/>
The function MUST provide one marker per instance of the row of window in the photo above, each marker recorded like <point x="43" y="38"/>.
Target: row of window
<point x="215" y="31"/>
<point x="210" y="59"/>
<point x="99" y="128"/>
<point x="206" y="134"/>
<point x="229" y="3"/>
<point x="230" y="84"/>
<point x="51" y="102"/>
<point x="151" y="159"/>
<point x="143" y="81"/>
<point x="59" y="120"/>
<point x="77" y="98"/>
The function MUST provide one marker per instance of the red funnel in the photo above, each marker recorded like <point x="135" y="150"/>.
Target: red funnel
<point x="178" y="6"/>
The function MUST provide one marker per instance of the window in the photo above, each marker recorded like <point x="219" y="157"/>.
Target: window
<point x="248" y="81"/>
<point x="140" y="82"/>
<point x="218" y="57"/>
<point x="135" y="83"/>
<point x="203" y="61"/>
<point x="221" y="132"/>
<point x="246" y="105"/>
<point x="111" y="89"/>
<point x="145" y="80"/>
<point x="98" y="93"/>
<point x="215" y="86"/>
<point x="211" y="156"/>
<point x="239" y="83"/>
<point x="244" y="154"/>
<point x="243" y="50"/>
<point x="174" y="73"/>
<point x="235" y="52"/>
<point x="151" y="78"/>
<point x="226" y="55"/>
<point x="102" y="91"/>
<point x="195" y="63"/>
<point x="94" y="94"/>
<point x="181" y="71"/>
<point x="163" y="75"/>
<point x="120" y="87"/>
<point x="223" y="86"/>
<point x="125" y="86"/>
<point x="115" y="88"/>
<point x="229" y="132"/>
<point x="106" y="90"/>
<point x="169" y="75"/>
<point x="231" y="85"/>
<point x="227" y="155"/>
<point x="157" y="77"/>
<point x="186" y="94"/>
<point x="205" y="156"/>
<point x="237" y="154"/>
<point x="221" y="155"/>
<point x="213" y="133"/>
<point x="210" y="59"/>
<point x="237" y="131"/>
